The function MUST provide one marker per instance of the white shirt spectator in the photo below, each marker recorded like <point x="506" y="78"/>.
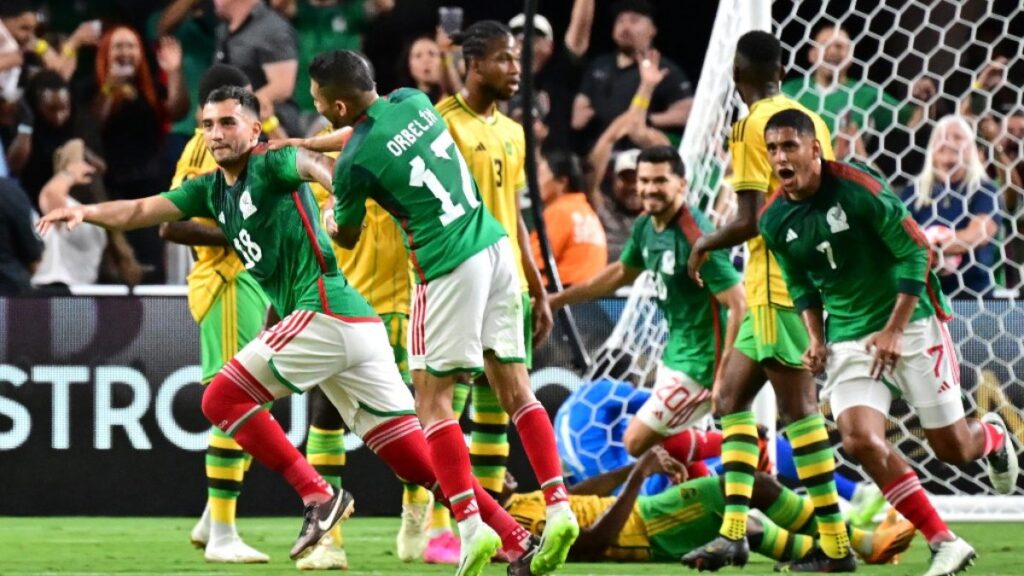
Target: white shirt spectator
<point x="9" y="90"/>
<point x="71" y="257"/>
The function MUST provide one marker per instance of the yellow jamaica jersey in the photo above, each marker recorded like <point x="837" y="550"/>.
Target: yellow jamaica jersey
<point x="495" y="150"/>
<point x="752" y="171"/>
<point x="378" y="266"/>
<point x="631" y="545"/>
<point x="214" y="265"/>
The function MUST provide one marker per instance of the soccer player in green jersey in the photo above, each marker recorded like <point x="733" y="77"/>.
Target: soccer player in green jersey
<point x="771" y="337"/>
<point x="329" y="336"/>
<point x="660" y="243"/>
<point x="467" y="314"/>
<point x="847" y="244"/>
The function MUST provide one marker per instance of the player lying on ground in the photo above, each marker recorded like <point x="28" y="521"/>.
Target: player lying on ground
<point x="590" y="426"/>
<point x="696" y="314"/>
<point x="847" y="244"/>
<point x="467" y="311"/>
<point x="665" y="526"/>
<point x="329" y="335"/>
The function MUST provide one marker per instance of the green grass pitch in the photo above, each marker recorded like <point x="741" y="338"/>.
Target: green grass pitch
<point x="159" y="546"/>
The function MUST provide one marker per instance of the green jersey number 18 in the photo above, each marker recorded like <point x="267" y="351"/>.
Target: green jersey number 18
<point x="423" y="176"/>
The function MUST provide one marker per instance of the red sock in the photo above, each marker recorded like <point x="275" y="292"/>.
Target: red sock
<point x="995" y="437"/>
<point x="693" y="445"/>
<point x="233" y="408"/>
<point x="538" y="438"/>
<point x="697" y="469"/>
<point x="450" y="459"/>
<point x="514" y="538"/>
<point x="909" y="499"/>
<point x="401" y="445"/>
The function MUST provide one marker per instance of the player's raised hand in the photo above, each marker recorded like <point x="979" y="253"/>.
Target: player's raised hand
<point x="815" y="356"/>
<point x="887" y="347"/>
<point x="71" y="216"/>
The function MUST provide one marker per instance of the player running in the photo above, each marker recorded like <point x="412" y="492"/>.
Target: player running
<point x="665" y="526"/>
<point x="495" y="151"/>
<point x="660" y="242"/>
<point x="378" y="268"/>
<point x="230" y="308"/>
<point x="771" y="339"/>
<point x="847" y="244"/>
<point x="467" y="310"/>
<point x="329" y="335"/>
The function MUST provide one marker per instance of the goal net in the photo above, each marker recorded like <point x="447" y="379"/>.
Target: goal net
<point x="893" y="45"/>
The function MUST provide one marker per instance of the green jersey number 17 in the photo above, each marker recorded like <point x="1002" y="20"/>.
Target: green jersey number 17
<point x="423" y="176"/>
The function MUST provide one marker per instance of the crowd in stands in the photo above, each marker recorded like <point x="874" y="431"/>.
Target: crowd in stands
<point x="92" y="108"/>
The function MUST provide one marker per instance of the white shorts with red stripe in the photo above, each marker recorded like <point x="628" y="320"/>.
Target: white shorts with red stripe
<point x="351" y="361"/>
<point x="472" y="309"/>
<point x="927" y="376"/>
<point x="677" y="402"/>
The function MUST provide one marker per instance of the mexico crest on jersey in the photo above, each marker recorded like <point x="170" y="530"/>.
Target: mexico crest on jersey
<point x="245" y="205"/>
<point x="836" y="219"/>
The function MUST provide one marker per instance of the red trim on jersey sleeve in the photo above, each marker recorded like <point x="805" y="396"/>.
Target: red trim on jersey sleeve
<point x="688" y="225"/>
<point x="412" y="251"/>
<point x="858" y="177"/>
<point x="914" y="231"/>
<point x="771" y="200"/>
<point x="309" y="231"/>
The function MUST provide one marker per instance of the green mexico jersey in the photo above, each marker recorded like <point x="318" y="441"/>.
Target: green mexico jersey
<point x="402" y="155"/>
<point x="695" y="319"/>
<point x="854" y="247"/>
<point x="271" y="220"/>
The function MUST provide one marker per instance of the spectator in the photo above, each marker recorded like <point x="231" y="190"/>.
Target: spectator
<point x="558" y="69"/>
<point x="20" y="247"/>
<point x="133" y="113"/>
<point x="420" y="67"/>
<point x="194" y="25"/>
<point x="611" y="82"/>
<point x="1007" y="165"/>
<point x="262" y="44"/>
<point x="19" y="46"/>
<point x="618" y="215"/>
<point x="540" y="115"/>
<point x="958" y="207"/>
<point x="577" y="238"/>
<point x="57" y="121"/>
<point x="849" y="105"/>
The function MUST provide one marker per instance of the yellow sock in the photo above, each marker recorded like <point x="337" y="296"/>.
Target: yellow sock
<point x="415" y="494"/>
<point x="440" y="520"/>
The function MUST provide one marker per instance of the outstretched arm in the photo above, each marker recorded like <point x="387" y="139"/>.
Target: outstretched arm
<point x="315" y="167"/>
<point x="742" y="228"/>
<point x="116" y="215"/>
<point x="614" y="276"/>
<point x="330" y="142"/>
<point x="192" y="233"/>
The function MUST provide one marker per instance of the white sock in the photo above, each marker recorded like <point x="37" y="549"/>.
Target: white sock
<point x="470" y="525"/>
<point x="221" y="532"/>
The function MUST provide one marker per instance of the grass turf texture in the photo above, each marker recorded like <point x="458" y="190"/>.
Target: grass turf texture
<point x="158" y="546"/>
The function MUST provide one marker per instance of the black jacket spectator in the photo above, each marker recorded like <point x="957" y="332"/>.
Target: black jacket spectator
<point x="20" y="247"/>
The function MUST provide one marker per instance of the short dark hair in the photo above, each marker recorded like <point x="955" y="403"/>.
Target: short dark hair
<point x="566" y="165"/>
<point x="662" y="154"/>
<point x="14" y="8"/>
<point x="219" y="76"/>
<point x="342" y="73"/>
<point x="476" y="39"/>
<point x="792" y="118"/>
<point x="762" y="53"/>
<point x="42" y="81"/>
<point x="639" y="6"/>
<point x="245" y="98"/>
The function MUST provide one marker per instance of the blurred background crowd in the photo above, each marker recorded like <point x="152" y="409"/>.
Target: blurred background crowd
<point x="98" y="99"/>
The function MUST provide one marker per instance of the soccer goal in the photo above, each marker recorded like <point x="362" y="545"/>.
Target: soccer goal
<point x="893" y="46"/>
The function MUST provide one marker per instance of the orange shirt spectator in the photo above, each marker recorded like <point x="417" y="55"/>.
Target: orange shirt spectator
<point x="574" y="230"/>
